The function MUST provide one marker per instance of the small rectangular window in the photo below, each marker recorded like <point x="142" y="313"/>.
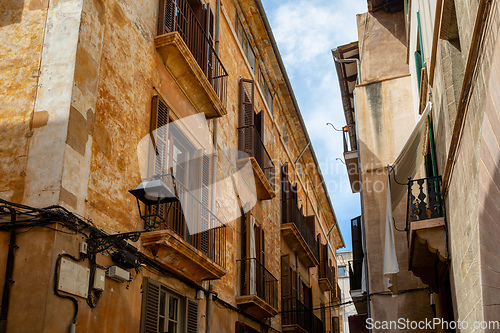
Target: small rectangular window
<point x="165" y="311"/>
<point x="342" y="271"/>
<point x="245" y="43"/>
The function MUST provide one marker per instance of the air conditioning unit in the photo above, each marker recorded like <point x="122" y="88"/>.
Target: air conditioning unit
<point x="118" y="274"/>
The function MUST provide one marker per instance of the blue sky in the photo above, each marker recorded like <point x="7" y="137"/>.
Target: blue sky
<point x="306" y="31"/>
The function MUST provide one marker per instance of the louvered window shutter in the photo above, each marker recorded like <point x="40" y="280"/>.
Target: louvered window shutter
<point x="246" y="117"/>
<point x="285" y="277"/>
<point x="205" y="200"/>
<point x="324" y="258"/>
<point x="336" y="325"/>
<point x="158" y="131"/>
<point x="294" y="284"/>
<point x="239" y="328"/>
<point x="262" y="248"/>
<point x="166" y="17"/>
<point x="192" y="316"/>
<point x="245" y="235"/>
<point x="150" y="306"/>
<point x="311" y="223"/>
<point x="286" y="190"/>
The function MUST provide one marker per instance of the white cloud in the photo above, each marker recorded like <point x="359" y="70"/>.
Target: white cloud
<point x="306" y="31"/>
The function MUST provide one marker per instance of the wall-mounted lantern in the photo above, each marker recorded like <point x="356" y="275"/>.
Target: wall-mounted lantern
<point x="152" y="194"/>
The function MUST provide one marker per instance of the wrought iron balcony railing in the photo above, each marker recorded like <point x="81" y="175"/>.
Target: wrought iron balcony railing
<point x="249" y="137"/>
<point x="177" y="15"/>
<point x="326" y="272"/>
<point x="204" y="231"/>
<point x="294" y="312"/>
<point x="424" y="200"/>
<point x="297" y="217"/>
<point x="257" y="280"/>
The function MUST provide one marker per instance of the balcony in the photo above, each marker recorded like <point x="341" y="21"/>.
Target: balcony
<point x="352" y="165"/>
<point x="196" y="252"/>
<point x="355" y="284"/>
<point x="188" y="54"/>
<point x="426" y="227"/>
<point x="297" y="229"/>
<point x="250" y="142"/>
<point x="296" y="317"/>
<point x="258" y="289"/>
<point x="326" y="276"/>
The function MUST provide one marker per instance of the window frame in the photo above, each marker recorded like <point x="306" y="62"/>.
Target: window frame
<point x="152" y="289"/>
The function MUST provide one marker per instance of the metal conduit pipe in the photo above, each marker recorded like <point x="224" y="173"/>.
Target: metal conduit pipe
<point x="214" y="170"/>
<point x="358" y="64"/>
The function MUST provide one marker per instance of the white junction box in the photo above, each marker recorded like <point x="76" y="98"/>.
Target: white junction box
<point x="73" y="278"/>
<point x="99" y="279"/>
<point x="118" y="274"/>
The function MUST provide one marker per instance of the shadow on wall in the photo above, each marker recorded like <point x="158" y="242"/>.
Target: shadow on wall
<point x="397" y="27"/>
<point x="11" y="12"/>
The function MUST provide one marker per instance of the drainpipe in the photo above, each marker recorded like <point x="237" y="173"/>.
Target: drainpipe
<point x="214" y="170"/>
<point x="348" y="60"/>
<point x="8" y="271"/>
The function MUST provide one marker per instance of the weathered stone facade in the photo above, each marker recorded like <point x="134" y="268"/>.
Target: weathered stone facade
<point x="450" y="50"/>
<point x="78" y="78"/>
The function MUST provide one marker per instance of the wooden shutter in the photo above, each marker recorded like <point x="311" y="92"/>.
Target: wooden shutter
<point x="246" y="117"/>
<point x="285" y="277"/>
<point x="307" y="296"/>
<point x="294" y="284"/>
<point x="192" y="316"/>
<point x="336" y="325"/>
<point x="311" y="223"/>
<point x="205" y="200"/>
<point x="323" y="255"/>
<point x="245" y="251"/>
<point x="166" y="17"/>
<point x="259" y="124"/>
<point x="158" y="132"/>
<point x="286" y="190"/>
<point x="262" y="248"/>
<point x="240" y="328"/>
<point x="150" y="306"/>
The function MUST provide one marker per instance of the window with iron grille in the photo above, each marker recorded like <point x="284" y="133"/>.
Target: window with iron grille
<point x="163" y="310"/>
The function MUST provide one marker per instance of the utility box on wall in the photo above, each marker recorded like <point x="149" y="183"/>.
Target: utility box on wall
<point x="99" y="279"/>
<point x="73" y="278"/>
